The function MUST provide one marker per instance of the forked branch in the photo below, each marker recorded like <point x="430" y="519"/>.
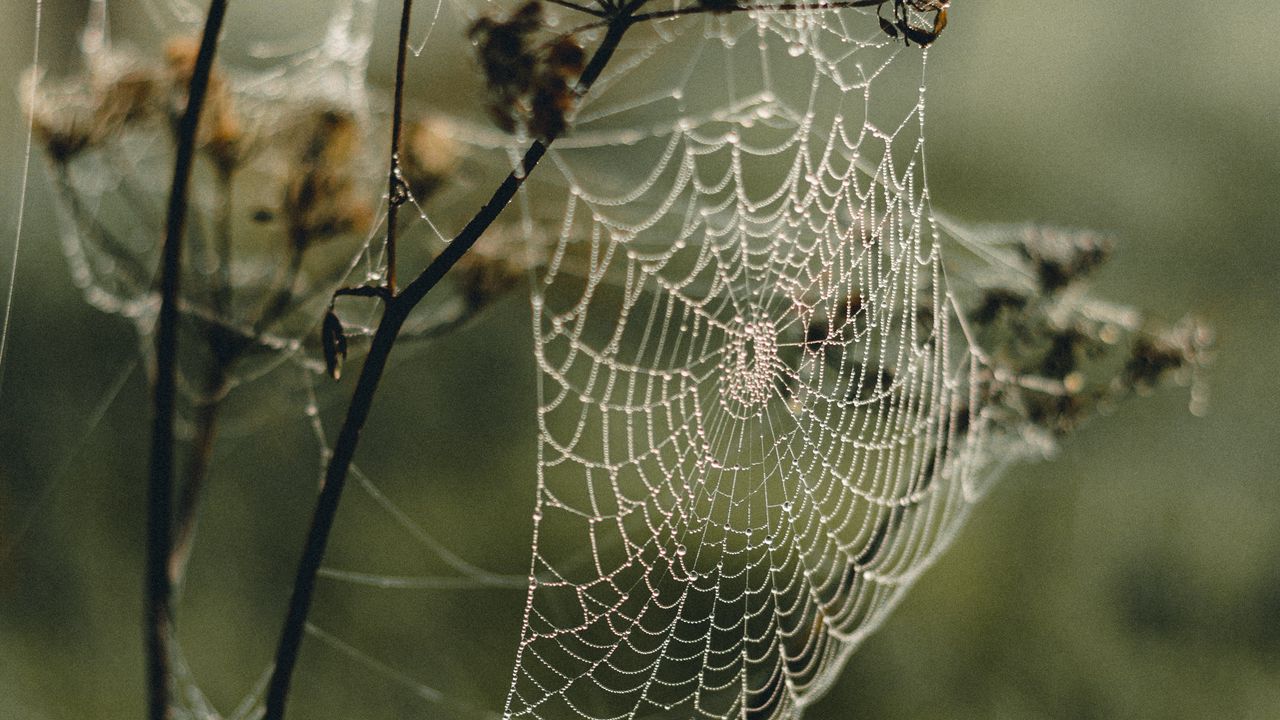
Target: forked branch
<point x="396" y="309"/>
<point x="727" y="7"/>
<point x="397" y="192"/>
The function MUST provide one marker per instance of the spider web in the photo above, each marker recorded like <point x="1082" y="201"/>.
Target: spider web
<point x="755" y="424"/>
<point x="762" y="409"/>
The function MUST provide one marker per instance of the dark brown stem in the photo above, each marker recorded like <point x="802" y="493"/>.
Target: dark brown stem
<point x="158" y="612"/>
<point x="754" y="7"/>
<point x="397" y="193"/>
<point x="580" y="8"/>
<point x="396" y="310"/>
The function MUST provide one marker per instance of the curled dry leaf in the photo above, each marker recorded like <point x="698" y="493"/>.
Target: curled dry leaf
<point x="334" y="341"/>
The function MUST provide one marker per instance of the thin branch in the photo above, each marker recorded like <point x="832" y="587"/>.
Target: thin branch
<point x="396" y="310"/>
<point x="397" y="192"/>
<point x="749" y="7"/>
<point x="579" y="8"/>
<point x="158" y="601"/>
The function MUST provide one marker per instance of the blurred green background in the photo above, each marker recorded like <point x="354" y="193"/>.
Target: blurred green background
<point x="1137" y="575"/>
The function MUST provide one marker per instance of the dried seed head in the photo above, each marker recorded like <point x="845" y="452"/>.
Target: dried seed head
<point x="528" y="17"/>
<point x="566" y="57"/>
<point x="995" y="301"/>
<point x="113" y="94"/>
<point x="133" y="96"/>
<point x="531" y="86"/>
<point x="61" y="117"/>
<point x="430" y="157"/>
<point x="1054" y="357"/>
<point x="552" y="101"/>
<point x="560" y="64"/>
<point x="1062" y="257"/>
<point x="221" y="134"/>
<point x="503" y="48"/>
<point x="1151" y="360"/>
<point x="321" y="200"/>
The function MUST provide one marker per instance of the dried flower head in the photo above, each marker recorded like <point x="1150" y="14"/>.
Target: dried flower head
<point x="531" y="85"/>
<point x="429" y="158"/>
<point x="130" y="97"/>
<point x="80" y="113"/>
<point x="562" y="62"/>
<point x="1183" y="350"/>
<point x="61" y="117"/>
<point x="221" y="133"/>
<point x="321" y="197"/>
<point x="1056" y="358"/>
<point x="1062" y="257"/>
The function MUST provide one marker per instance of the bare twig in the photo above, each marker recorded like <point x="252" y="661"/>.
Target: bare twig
<point x="397" y="192"/>
<point x="717" y="9"/>
<point x="158" y="599"/>
<point x="579" y="8"/>
<point x="396" y="311"/>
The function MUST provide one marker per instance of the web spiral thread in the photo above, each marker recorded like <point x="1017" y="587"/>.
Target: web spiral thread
<point x="754" y="414"/>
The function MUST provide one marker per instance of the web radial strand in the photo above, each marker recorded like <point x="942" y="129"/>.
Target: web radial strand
<point x="751" y="392"/>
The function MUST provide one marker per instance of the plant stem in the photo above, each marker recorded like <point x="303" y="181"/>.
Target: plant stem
<point x="695" y="9"/>
<point x="397" y="193"/>
<point x="158" y="613"/>
<point x="396" y="310"/>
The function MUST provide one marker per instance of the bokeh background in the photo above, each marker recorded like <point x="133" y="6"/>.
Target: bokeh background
<point x="1136" y="575"/>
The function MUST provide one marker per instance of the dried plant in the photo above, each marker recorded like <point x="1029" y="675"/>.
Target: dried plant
<point x="248" y="273"/>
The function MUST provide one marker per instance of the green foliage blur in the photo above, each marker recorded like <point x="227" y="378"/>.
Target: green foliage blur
<point x="1136" y="575"/>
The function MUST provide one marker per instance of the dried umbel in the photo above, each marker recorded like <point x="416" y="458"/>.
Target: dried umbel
<point x="530" y="82"/>
<point x="283" y="192"/>
<point x="220" y="133"/>
<point x="1057" y="357"/>
<point x="71" y="117"/>
<point x="322" y="199"/>
<point x="1060" y="257"/>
